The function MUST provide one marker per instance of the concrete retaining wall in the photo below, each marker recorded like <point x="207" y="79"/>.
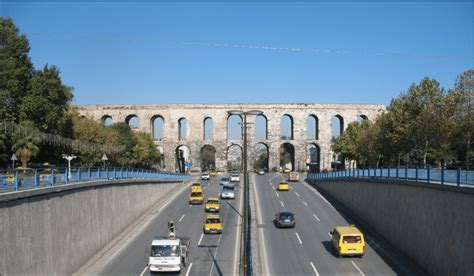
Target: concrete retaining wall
<point x="57" y="231"/>
<point x="431" y="224"/>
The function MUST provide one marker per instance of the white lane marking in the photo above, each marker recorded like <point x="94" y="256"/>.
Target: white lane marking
<point x="316" y="217"/>
<point x="202" y="235"/>
<point x="144" y="270"/>
<point x="273" y="188"/>
<point x="263" y="249"/>
<point x="218" y="242"/>
<point x="314" y="268"/>
<point x="277" y="194"/>
<point x="282" y="205"/>
<point x="189" y="269"/>
<point x="182" y="217"/>
<point x="298" y="195"/>
<point x="306" y="204"/>
<point x="298" y="236"/>
<point x="360" y="271"/>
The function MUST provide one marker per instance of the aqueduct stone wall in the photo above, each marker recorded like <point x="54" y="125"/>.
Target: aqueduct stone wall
<point x="195" y="115"/>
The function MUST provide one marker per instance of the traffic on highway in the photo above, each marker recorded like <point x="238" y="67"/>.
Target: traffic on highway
<point x="198" y="232"/>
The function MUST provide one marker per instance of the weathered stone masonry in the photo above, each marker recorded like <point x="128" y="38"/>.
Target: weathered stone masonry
<point x="196" y="113"/>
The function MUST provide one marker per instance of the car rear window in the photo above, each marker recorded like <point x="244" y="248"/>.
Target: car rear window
<point x="286" y="216"/>
<point x="228" y="188"/>
<point x="212" y="201"/>
<point x="351" y="239"/>
<point x="196" y="194"/>
<point x="213" y="220"/>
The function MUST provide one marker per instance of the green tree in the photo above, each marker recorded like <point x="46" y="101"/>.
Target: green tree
<point x="145" y="153"/>
<point x="25" y="145"/>
<point x="16" y="70"/>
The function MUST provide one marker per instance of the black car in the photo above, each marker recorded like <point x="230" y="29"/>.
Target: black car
<point x="285" y="220"/>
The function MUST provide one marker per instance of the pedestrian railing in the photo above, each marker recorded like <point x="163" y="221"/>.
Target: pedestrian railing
<point x="24" y="179"/>
<point x="437" y="176"/>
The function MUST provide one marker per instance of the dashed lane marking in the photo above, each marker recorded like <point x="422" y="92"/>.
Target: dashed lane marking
<point x="282" y="205"/>
<point x="298" y="236"/>
<point x="298" y="195"/>
<point x="360" y="271"/>
<point x="200" y="239"/>
<point x="189" y="269"/>
<point x="277" y="194"/>
<point x="144" y="270"/>
<point x="182" y="217"/>
<point x="314" y="268"/>
<point x="316" y="217"/>
<point x="306" y="204"/>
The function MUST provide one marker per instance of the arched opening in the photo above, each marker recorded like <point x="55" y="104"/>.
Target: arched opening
<point x="234" y="158"/>
<point x="261" y="157"/>
<point x="208" y="128"/>
<point x="287" y="156"/>
<point x="182" y="158"/>
<point x="312" y="128"/>
<point x="313" y="158"/>
<point x="182" y="129"/>
<point x="157" y="127"/>
<point x="208" y="158"/>
<point x="337" y="125"/>
<point x="234" y="127"/>
<point x="161" y="161"/>
<point x="361" y="118"/>
<point x="261" y="128"/>
<point x="107" y="120"/>
<point x="133" y="121"/>
<point x="286" y="127"/>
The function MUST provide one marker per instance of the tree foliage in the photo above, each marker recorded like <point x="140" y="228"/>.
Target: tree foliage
<point x="424" y="126"/>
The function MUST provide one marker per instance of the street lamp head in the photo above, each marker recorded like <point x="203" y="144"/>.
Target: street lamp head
<point x="235" y="112"/>
<point x="254" y="112"/>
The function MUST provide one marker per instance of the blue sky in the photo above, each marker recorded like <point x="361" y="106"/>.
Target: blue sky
<point x="135" y="53"/>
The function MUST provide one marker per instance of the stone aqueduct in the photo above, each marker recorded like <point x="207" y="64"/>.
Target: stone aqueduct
<point x="171" y="116"/>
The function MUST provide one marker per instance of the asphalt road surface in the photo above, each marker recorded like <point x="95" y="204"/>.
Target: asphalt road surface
<point x="306" y="249"/>
<point x="209" y="254"/>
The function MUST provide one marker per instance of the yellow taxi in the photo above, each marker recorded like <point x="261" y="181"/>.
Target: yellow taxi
<point x="196" y="186"/>
<point x="348" y="241"/>
<point x="283" y="186"/>
<point x="196" y="197"/>
<point x="212" y="205"/>
<point x="286" y="170"/>
<point x="213" y="225"/>
<point x="213" y="173"/>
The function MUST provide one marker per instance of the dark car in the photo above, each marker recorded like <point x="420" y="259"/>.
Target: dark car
<point x="285" y="220"/>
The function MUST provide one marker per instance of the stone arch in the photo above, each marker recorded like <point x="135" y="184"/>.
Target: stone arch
<point x="313" y="158"/>
<point x="337" y="125"/>
<point x="261" y="127"/>
<point x="234" y="157"/>
<point x="208" y="128"/>
<point x="157" y="127"/>
<point x="261" y="153"/>
<point x="312" y="127"/>
<point x="361" y="117"/>
<point x="182" y="156"/>
<point x="107" y="120"/>
<point x="287" y="156"/>
<point x="208" y="157"/>
<point x="286" y="127"/>
<point x="234" y="127"/>
<point x="133" y="121"/>
<point x="182" y="129"/>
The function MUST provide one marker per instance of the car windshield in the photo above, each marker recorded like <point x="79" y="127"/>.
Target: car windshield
<point x="351" y="239"/>
<point x="212" y="202"/>
<point x="196" y="194"/>
<point x="164" y="250"/>
<point x="230" y="188"/>
<point x="235" y="174"/>
<point x="213" y="220"/>
<point x="225" y="179"/>
<point x="285" y="216"/>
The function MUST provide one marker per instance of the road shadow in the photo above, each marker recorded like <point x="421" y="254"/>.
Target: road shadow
<point x="328" y="246"/>
<point x="233" y="208"/>
<point x="216" y="264"/>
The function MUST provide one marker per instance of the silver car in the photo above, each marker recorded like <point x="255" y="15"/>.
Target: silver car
<point x="224" y="181"/>
<point x="228" y="192"/>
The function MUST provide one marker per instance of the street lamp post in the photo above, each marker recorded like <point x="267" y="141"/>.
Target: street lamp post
<point x="245" y="256"/>
<point x="69" y="158"/>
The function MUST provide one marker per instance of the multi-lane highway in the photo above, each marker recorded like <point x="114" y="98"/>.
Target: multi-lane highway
<point x="209" y="254"/>
<point x="306" y="249"/>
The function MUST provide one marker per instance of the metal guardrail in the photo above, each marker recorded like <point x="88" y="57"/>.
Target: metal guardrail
<point x="428" y="175"/>
<point x="36" y="178"/>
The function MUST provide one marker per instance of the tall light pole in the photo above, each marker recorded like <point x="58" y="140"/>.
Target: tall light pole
<point x="69" y="158"/>
<point x="245" y="260"/>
